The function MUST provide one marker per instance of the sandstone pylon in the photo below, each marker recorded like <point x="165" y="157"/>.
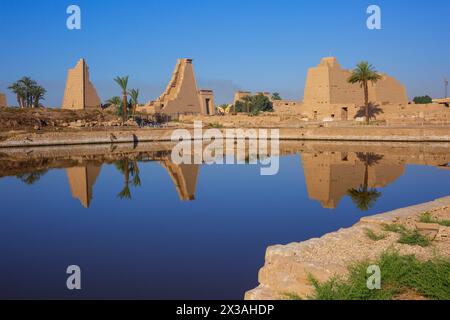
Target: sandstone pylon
<point x="80" y="93"/>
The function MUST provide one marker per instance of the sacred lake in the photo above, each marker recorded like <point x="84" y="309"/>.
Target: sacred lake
<point x="140" y="226"/>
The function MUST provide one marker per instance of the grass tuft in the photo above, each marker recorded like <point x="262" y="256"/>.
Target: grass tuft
<point x="414" y="238"/>
<point x="292" y="296"/>
<point x="409" y="237"/>
<point x="216" y="125"/>
<point x="396" y="228"/>
<point x="427" y="218"/>
<point x="373" y="236"/>
<point x="399" y="274"/>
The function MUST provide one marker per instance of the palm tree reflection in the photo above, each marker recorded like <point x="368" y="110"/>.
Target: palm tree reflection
<point x="31" y="178"/>
<point x="363" y="197"/>
<point x="128" y="168"/>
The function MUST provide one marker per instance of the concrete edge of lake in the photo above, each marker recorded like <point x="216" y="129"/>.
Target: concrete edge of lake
<point x="383" y="134"/>
<point x="288" y="267"/>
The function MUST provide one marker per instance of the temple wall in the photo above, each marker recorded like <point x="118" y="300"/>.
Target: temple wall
<point x="239" y="95"/>
<point x="207" y="102"/>
<point x="3" y="101"/>
<point x="328" y="95"/>
<point x="181" y="96"/>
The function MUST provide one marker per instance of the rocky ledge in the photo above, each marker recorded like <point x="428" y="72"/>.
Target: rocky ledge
<point x="288" y="267"/>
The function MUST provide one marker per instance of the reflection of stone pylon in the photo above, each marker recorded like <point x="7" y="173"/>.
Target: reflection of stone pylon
<point x="329" y="176"/>
<point x="81" y="181"/>
<point x="184" y="176"/>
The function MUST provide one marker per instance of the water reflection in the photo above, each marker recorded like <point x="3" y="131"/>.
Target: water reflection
<point x="332" y="170"/>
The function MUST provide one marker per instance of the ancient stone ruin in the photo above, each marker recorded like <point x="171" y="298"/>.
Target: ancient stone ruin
<point x="3" y="102"/>
<point x="182" y="95"/>
<point x="328" y="95"/>
<point x="80" y="93"/>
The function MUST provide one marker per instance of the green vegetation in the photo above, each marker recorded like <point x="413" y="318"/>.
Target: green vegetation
<point x="427" y="218"/>
<point x="254" y="104"/>
<point x="363" y="74"/>
<point x="423" y="99"/>
<point x="399" y="275"/>
<point x="291" y="296"/>
<point x="216" y="125"/>
<point x="28" y="92"/>
<point x="413" y="238"/>
<point x="409" y="237"/>
<point x="373" y="236"/>
<point x="276" y="96"/>
<point x="123" y="84"/>
<point x="396" y="228"/>
<point x="134" y="96"/>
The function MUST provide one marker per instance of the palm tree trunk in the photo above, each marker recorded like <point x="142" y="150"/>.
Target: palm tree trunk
<point x="366" y="101"/>
<point x="124" y="107"/>
<point x="366" y="178"/>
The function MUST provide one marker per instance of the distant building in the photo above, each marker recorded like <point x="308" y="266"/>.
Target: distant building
<point x="80" y="93"/>
<point x="239" y="95"/>
<point x="182" y="95"/>
<point x="3" y="101"/>
<point x="328" y="95"/>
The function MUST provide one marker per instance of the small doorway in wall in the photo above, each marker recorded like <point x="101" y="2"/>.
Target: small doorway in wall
<point x="208" y="106"/>
<point x="344" y="114"/>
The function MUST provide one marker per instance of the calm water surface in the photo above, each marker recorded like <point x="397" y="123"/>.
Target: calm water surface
<point x="142" y="227"/>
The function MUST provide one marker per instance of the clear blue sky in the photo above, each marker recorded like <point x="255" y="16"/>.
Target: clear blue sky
<point x="256" y="45"/>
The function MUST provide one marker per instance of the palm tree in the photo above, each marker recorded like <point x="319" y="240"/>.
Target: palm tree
<point x="37" y="94"/>
<point x="363" y="74"/>
<point x="28" y="84"/>
<point x="18" y="89"/>
<point x="134" y="95"/>
<point x="123" y="83"/>
<point x="248" y="103"/>
<point x="114" y="101"/>
<point x="363" y="197"/>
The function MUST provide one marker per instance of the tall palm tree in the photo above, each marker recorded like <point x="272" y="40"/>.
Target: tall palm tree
<point x="248" y="103"/>
<point x="37" y="94"/>
<point x="123" y="83"/>
<point x="363" y="74"/>
<point x="134" y="95"/>
<point x="363" y="197"/>
<point x="28" y="84"/>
